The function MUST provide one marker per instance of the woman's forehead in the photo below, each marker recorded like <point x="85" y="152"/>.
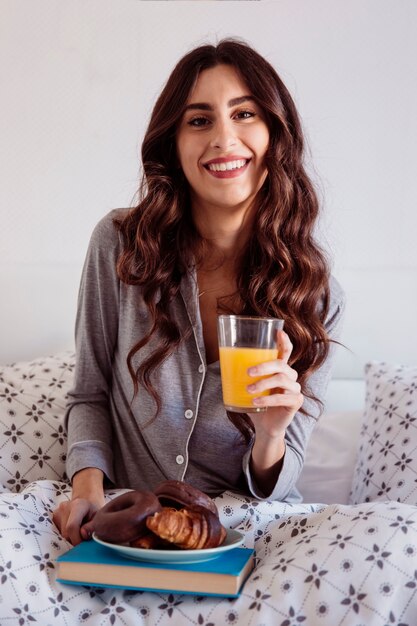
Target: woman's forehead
<point x="217" y="82"/>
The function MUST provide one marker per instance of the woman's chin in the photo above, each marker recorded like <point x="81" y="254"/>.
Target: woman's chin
<point x="225" y="201"/>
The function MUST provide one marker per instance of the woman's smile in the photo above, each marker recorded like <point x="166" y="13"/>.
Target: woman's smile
<point x="227" y="167"/>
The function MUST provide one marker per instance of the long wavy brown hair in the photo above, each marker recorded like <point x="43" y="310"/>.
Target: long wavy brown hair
<point x="283" y="272"/>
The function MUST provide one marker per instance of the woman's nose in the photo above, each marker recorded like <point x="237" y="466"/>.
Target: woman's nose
<point x="224" y="135"/>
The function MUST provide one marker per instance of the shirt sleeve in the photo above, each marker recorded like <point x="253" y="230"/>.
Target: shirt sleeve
<point x="301" y="427"/>
<point x="87" y="416"/>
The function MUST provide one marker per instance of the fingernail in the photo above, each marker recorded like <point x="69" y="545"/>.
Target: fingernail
<point x="252" y="371"/>
<point x="251" y="388"/>
<point x="257" y="401"/>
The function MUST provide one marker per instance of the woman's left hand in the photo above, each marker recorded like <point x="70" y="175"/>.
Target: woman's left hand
<point x="285" y="397"/>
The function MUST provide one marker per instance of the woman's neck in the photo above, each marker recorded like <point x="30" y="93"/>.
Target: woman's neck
<point x="225" y="236"/>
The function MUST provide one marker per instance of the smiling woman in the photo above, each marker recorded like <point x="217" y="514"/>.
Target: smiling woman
<point x="225" y="223"/>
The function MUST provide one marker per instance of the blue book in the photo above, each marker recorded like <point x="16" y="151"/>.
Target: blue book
<point x="90" y="563"/>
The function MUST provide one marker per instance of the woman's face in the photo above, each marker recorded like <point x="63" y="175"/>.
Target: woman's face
<point x="222" y="140"/>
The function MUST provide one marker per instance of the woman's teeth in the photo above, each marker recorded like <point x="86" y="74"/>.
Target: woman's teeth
<point x="230" y="165"/>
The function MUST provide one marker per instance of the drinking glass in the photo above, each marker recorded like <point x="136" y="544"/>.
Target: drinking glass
<point x="244" y="342"/>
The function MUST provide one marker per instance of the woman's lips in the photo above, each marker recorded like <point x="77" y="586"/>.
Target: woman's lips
<point x="227" y="168"/>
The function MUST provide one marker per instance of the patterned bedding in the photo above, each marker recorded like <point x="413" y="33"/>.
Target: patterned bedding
<point x="316" y="564"/>
<point x="327" y="565"/>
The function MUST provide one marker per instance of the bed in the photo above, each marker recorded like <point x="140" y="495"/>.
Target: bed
<point x="345" y="556"/>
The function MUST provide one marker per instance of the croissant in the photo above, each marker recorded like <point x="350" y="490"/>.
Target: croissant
<point x="191" y="528"/>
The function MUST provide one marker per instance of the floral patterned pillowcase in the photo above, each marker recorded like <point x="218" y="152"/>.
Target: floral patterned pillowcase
<point x="32" y="406"/>
<point x="386" y="467"/>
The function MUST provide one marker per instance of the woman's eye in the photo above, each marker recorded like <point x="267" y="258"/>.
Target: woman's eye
<point x="198" y="121"/>
<point x="245" y="114"/>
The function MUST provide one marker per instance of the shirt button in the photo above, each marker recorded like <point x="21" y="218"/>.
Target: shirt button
<point x="179" y="459"/>
<point x="188" y="414"/>
<point x="201" y="368"/>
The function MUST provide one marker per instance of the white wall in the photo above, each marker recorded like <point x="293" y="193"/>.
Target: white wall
<point x="78" y="80"/>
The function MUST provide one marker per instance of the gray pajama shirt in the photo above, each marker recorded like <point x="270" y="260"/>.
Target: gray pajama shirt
<point x="192" y="438"/>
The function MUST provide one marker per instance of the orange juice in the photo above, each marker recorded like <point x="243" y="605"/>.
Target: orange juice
<point x="234" y="363"/>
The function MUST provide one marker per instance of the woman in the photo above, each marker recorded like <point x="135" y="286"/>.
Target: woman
<point x="225" y="223"/>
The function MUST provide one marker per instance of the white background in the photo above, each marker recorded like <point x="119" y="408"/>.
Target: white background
<point x="78" y="80"/>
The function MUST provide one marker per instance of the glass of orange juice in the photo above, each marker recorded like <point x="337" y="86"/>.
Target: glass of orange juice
<point x="244" y="342"/>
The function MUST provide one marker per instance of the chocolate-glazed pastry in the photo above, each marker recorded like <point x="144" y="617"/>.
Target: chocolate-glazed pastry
<point x="123" y="519"/>
<point x="178" y="494"/>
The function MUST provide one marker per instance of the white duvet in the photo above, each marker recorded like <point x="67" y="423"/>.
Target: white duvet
<point x="317" y="565"/>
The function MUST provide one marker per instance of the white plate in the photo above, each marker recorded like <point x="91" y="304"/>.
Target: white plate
<point x="233" y="540"/>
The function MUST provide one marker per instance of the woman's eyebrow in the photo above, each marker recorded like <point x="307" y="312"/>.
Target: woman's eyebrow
<point x="204" y="106"/>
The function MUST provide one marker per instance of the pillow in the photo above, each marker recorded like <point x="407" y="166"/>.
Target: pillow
<point x="386" y="467"/>
<point x="32" y="406"/>
<point x="330" y="458"/>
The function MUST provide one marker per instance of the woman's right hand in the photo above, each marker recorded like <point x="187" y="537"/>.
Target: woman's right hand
<point x="74" y="517"/>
